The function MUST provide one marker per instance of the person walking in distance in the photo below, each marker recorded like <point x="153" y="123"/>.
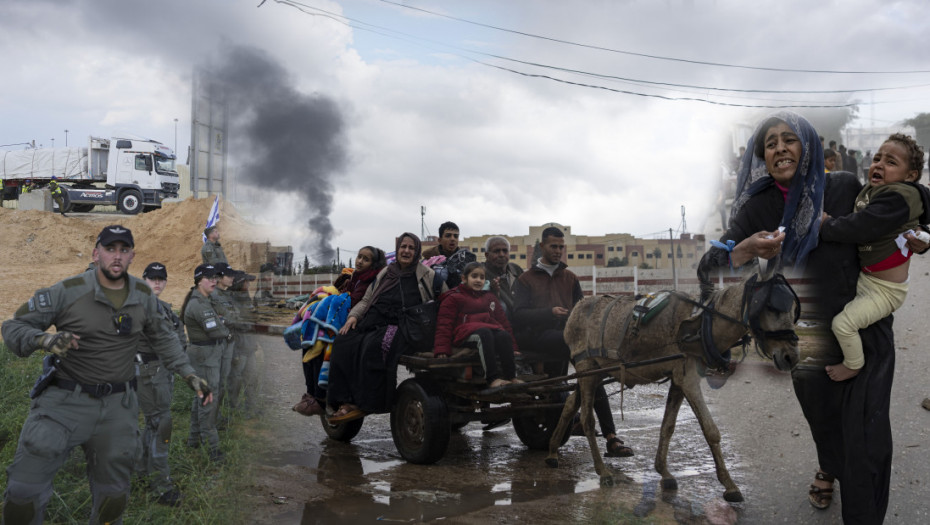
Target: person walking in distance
<point x="87" y="393"/>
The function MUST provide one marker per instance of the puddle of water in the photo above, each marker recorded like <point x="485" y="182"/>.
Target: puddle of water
<point x="370" y="466"/>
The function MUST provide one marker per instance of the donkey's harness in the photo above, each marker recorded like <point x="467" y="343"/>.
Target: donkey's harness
<point x="774" y="293"/>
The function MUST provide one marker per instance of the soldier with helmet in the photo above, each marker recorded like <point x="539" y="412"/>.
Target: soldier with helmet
<point x="87" y="393"/>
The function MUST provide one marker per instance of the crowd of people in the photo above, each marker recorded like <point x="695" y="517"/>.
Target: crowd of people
<point x="796" y="204"/>
<point x="115" y="350"/>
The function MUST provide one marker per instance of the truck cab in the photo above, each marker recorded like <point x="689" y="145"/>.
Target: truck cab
<point x="142" y="172"/>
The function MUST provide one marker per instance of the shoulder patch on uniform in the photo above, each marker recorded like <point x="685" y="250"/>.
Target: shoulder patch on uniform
<point x="74" y="281"/>
<point x="41" y="301"/>
<point x="144" y="288"/>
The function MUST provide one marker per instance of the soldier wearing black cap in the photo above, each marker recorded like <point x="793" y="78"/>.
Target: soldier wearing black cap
<point x="87" y="393"/>
<point x="156" y="385"/>
<point x="208" y="336"/>
<point x="225" y="305"/>
<point x="212" y="252"/>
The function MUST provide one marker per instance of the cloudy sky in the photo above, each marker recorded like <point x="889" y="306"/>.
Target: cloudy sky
<point x="352" y="115"/>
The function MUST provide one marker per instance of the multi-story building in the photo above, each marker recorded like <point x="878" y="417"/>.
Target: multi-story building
<point x="614" y="249"/>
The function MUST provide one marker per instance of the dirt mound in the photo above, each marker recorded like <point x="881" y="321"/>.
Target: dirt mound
<point x="40" y="248"/>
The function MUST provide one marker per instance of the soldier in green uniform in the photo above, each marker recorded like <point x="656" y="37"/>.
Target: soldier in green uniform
<point x="244" y="374"/>
<point x="225" y="303"/>
<point x="57" y="196"/>
<point x="156" y="385"/>
<point x="208" y="336"/>
<point x="87" y="393"/>
<point x="212" y="252"/>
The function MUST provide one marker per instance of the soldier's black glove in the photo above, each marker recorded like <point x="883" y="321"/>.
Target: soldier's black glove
<point x="58" y="343"/>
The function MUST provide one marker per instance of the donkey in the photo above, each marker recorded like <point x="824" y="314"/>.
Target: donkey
<point x="607" y="331"/>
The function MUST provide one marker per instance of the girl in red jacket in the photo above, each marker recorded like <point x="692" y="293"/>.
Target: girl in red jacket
<point x="468" y="310"/>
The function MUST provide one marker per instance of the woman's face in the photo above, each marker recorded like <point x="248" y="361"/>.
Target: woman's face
<point x="782" y="153"/>
<point x="405" y="252"/>
<point x="363" y="260"/>
<point x="206" y="285"/>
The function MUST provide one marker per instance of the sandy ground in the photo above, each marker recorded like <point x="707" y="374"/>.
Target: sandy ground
<point x="41" y="248"/>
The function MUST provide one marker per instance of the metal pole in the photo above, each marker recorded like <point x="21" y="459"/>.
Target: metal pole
<point x="66" y="138"/>
<point x="175" y="137"/>
<point x="672" y="252"/>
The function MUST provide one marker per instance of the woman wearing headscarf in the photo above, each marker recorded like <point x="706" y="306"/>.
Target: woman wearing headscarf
<point x="781" y="183"/>
<point x="363" y="366"/>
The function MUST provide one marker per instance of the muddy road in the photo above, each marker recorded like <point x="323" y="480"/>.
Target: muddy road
<point x="491" y="477"/>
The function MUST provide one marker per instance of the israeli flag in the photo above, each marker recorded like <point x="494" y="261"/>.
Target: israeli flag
<point x="214" y="216"/>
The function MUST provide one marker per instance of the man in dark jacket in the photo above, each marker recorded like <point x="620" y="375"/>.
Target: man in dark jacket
<point x="544" y="296"/>
<point x="500" y="272"/>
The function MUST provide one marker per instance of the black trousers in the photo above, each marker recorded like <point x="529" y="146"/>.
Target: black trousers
<point x="850" y="423"/>
<point x="496" y="345"/>
<point x="551" y="343"/>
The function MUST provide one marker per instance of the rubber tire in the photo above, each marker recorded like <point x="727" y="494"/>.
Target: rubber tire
<point x="535" y="428"/>
<point x="420" y="422"/>
<point x="130" y="202"/>
<point x="343" y="432"/>
<point x="82" y="208"/>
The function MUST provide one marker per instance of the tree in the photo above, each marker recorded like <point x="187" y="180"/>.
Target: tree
<point x="645" y="266"/>
<point x="615" y="262"/>
<point x="921" y="124"/>
<point x="306" y="270"/>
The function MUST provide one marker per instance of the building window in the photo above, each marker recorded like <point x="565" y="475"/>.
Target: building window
<point x="669" y="256"/>
<point x="619" y="248"/>
<point x="600" y="256"/>
<point x="514" y="256"/>
<point x="587" y="256"/>
<point x="474" y="250"/>
<point x="571" y="256"/>
<point x="691" y="256"/>
<point x="523" y="256"/>
<point x="649" y="256"/>
<point x="482" y="250"/>
<point x="610" y="248"/>
<point x="635" y="254"/>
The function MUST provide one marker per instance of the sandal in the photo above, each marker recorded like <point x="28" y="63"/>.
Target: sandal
<point x="346" y="413"/>
<point x="819" y="497"/>
<point x="616" y="449"/>
<point x="309" y="407"/>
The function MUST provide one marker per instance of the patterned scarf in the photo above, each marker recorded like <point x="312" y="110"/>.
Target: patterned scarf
<point x="804" y="205"/>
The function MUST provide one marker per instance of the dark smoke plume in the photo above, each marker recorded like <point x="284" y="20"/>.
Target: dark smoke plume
<point x="281" y="139"/>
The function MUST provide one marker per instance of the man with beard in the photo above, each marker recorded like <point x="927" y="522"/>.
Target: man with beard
<point x="87" y="392"/>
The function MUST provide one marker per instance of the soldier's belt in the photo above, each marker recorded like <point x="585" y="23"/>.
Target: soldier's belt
<point x="95" y="391"/>
<point x="208" y="342"/>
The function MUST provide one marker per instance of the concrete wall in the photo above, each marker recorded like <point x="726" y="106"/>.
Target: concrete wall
<point x="36" y="200"/>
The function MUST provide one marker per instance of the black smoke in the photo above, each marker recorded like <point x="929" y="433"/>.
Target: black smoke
<point x="281" y="139"/>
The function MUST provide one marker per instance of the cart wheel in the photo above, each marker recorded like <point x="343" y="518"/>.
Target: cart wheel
<point x="420" y="422"/>
<point x="341" y="431"/>
<point x="535" y="428"/>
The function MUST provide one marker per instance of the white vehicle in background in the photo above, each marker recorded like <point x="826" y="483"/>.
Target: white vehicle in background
<point x="132" y="174"/>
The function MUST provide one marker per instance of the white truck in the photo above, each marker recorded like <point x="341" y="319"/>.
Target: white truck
<point x="132" y="174"/>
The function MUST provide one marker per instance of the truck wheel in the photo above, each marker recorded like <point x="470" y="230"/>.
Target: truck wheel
<point x="130" y="202"/>
<point x="341" y="431"/>
<point x="420" y="422"/>
<point x="535" y="428"/>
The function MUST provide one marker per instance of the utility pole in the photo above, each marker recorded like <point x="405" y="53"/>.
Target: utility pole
<point x="671" y="239"/>
<point x="66" y="138"/>
<point x="175" y="137"/>
<point x="684" y="223"/>
<point x="423" y="222"/>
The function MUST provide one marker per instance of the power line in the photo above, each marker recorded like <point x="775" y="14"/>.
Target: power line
<point x="644" y="55"/>
<point x="378" y="30"/>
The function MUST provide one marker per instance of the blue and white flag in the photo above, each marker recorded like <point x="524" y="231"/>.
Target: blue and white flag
<point x="214" y="216"/>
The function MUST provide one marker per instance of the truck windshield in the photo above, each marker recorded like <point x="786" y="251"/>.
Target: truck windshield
<point x="165" y="165"/>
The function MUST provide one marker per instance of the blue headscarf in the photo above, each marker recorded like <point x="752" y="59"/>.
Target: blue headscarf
<point x="804" y="204"/>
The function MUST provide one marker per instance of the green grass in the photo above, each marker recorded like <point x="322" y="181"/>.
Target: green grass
<point x="212" y="494"/>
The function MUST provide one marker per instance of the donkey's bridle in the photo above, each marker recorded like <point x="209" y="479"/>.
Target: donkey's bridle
<point x="776" y="294"/>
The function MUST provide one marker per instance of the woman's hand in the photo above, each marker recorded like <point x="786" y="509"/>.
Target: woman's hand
<point x="914" y="244"/>
<point x="761" y="244"/>
<point x="349" y="324"/>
